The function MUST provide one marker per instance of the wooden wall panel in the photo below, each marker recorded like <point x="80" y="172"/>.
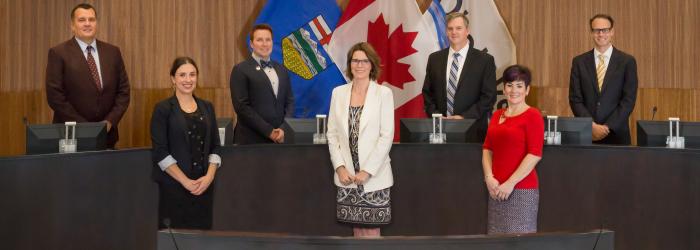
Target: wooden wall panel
<point x="662" y="35"/>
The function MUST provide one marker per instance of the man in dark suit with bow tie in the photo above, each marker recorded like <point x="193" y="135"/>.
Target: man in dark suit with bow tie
<point x="603" y="85"/>
<point x="261" y="93"/>
<point x="86" y="79"/>
<point x="460" y="81"/>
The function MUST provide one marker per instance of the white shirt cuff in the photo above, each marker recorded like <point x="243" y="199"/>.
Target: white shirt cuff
<point x="167" y="162"/>
<point x="216" y="159"/>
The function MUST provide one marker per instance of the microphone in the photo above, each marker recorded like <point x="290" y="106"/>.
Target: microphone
<point x="600" y="232"/>
<point x="653" y="112"/>
<point x="166" y="222"/>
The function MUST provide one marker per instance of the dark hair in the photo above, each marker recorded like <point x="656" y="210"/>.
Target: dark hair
<point x="371" y="55"/>
<point x="182" y="61"/>
<point x="517" y="73"/>
<point x="603" y="16"/>
<point x="86" y="6"/>
<point x="262" y="26"/>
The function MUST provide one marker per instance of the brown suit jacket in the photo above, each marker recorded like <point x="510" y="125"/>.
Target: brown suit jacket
<point x="73" y="95"/>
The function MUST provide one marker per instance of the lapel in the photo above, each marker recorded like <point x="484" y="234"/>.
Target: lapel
<point x="103" y="56"/>
<point x="205" y="113"/>
<point x="85" y="68"/>
<point x="343" y="109"/>
<point x="278" y="68"/>
<point x="442" y="70"/>
<point x="471" y="53"/>
<point x="180" y="123"/>
<point x="612" y="66"/>
<point x="589" y="62"/>
<point x="260" y="74"/>
<point x="371" y="103"/>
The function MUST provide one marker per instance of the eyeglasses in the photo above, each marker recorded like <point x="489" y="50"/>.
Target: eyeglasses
<point x="360" y="61"/>
<point x="601" y="31"/>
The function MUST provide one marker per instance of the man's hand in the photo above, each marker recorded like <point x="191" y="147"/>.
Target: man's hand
<point x="277" y="135"/>
<point x="599" y="131"/>
<point x="109" y="125"/>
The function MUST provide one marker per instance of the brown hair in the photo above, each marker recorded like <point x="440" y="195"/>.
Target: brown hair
<point x="262" y="26"/>
<point x="455" y="15"/>
<point x="371" y="55"/>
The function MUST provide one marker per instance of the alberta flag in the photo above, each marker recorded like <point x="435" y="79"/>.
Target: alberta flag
<point x="403" y="36"/>
<point x="301" y="34"/>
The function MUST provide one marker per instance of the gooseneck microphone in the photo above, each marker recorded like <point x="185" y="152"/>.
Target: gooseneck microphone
<point x="166" y="222"/>
<point x="653" y="113"/>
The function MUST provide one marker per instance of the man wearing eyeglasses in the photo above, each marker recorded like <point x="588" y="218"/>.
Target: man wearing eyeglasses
<point x="603" y="85"/>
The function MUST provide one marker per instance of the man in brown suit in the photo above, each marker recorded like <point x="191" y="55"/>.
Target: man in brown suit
<point x="85" y="78"/>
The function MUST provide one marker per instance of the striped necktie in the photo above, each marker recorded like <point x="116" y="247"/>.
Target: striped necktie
<point x="452" y="84"/>
<point x="600" y="71"/>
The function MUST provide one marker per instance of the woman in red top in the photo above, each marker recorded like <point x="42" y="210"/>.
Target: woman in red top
<point x="512" y="148"/>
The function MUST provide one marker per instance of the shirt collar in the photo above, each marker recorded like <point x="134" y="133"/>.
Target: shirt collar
<point x="257" y="58"/>
<point x="83" y="45"/>
<point x="607" y="53"/>
<point x="462" y="52"/>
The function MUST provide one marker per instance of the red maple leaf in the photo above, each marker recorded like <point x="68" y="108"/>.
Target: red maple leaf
<point x="391" y="48"/>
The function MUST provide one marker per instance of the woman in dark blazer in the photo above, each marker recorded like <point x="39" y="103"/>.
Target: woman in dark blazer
<point x="185" y="151"/>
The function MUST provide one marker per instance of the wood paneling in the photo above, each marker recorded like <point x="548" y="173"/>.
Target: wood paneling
<point x="547" y="33"/>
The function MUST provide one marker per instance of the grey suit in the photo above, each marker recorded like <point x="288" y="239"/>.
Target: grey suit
<point x="259" y="110"/>
<point x="611" y="106"/>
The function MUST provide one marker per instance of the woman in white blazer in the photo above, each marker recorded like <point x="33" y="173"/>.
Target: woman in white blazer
<point x="360" y="135"/>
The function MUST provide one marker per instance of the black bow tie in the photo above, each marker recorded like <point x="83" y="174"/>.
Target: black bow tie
<point x="265" y="64"/>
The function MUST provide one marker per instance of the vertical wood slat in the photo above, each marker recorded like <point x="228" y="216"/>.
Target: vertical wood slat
<point x="548" y="34"/>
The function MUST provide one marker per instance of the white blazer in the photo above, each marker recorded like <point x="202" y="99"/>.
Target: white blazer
<point x="375" y="137"/>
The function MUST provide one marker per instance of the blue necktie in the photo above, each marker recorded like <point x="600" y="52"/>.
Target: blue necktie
<point x="452" y="84"/>
<point x="265" y="64"/>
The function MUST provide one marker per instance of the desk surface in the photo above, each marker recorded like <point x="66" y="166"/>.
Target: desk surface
<point x="648" y="196"/>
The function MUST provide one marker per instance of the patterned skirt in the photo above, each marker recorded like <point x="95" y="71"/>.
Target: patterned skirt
<point x="363" y="209"/>
<point x="516" y="215"/>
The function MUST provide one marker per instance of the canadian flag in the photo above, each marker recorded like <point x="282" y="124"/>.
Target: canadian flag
<point x="402" y="36"/>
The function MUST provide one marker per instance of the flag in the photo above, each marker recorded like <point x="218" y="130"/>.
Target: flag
<point x="301" y="34"/>
<point x="403" y="37"/>
<point x="489" y="33"/>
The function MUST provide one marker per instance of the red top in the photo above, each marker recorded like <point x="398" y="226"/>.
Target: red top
<point x="511" y="141"/>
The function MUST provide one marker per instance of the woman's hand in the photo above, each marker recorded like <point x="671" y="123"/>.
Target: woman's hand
<point x="189" y="184"/>
<point x="492" y="186"/>
<point x="206" y="180"/>
<point x="344" y="176"/>
<point x="361" y="178"/>
<point x="204" y="183"/>
<point x="504" y="190"/>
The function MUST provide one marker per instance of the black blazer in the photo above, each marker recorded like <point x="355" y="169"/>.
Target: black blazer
<point x="258" y="110"/>
<point x="614" y="104"/>
<point x="169" y="136"/>
<point x="476" y="90"/>
<point x="73" y="95"/>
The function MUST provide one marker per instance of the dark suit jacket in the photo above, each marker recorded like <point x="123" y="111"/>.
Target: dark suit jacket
<point x="614" y="104"/>
<point x="73" y="95"/>
<point x="476" y="90"/>
<point x="169" y="137"/>
<point x="258" y="110"/>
